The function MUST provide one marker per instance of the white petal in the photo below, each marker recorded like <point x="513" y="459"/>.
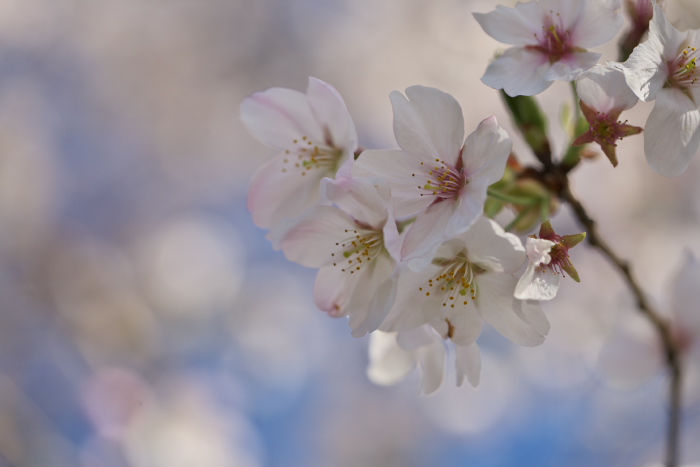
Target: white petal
<point x="537" y="284"/>
<point x="398" y="168"/>
<point x="515" y="26"/>
<point x="312" y="240"/>
<point x="670" y="38"/>
<point x="599" y="23"/>
<point x="429" y="123"/>
<point x="388" y="363"/>
<point x="330" y="111"/>
<point x="571" y="66"/>
<point x="373" y="296"/>
<point x="468" y="361"/>
<point x="493" y="249"/>
<point x="431" y="360"/>
<point x="277" y="193"/>
<point x="278" y="116"/>
<point x="486" y="152"/>
<point x="685" y="294"/>
<point x="412" y="307"/>
<point x="515" y="319"/>
<point x="538" y="250"/>
<point x="519" y="72"/>
<point x="671" y="135"/>
<point x="426" y="233"/>
<point x="366" y="200"/>
<point x="604" y="89"/>
<point x="334" y="289"/>
<point x="467" y="323"/>
<point x="468" y="207"/>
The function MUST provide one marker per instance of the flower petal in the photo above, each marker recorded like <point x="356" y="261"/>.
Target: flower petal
<point x="468" y="362"/>
<point x="366" y="200"/>
<point x="312" y="239"/>
<point x="571" y="66"/>
<point x="517" y="320"/>
<point x="431" y="360"/>
<point x="466" y="322"/>
<point x="428" y="124"/>
<point x="333" y="290"/>
<point x="486" y="151"/>
<point x="426" y="233"/>
<point x="515" y="26"/>
<point x="278" y="116"/>
<point x="672" y="136"/>
<point x="605" y="90"/>
<point x="519" y="72"/>
<point x="330" y="111"/>
<point x="412" y="307"/>
<point x="492" y="248"/>
<point x="537" y="284"/>
<point x="599" y="23"/>
<point x="398" y="168"/>
<point x="373" y="296"/>
<point x="388" y="363"/>
<point x="277" y="193"/>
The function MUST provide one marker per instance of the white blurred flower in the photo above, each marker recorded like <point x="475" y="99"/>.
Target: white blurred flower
<point x="663" y="69"/>
<point x="550" y="39"/>
<point x="316" y="136"/>
<point x="436" y="173"/>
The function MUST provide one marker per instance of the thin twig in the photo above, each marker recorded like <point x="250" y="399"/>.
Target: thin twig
<point x="660" y="324"/>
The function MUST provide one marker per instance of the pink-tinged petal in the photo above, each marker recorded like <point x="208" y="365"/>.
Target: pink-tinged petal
<point x="515" y="26"/>
<point x="279" y="116"/>
<point x="571" y="66"/>
<point x="426" y="233"/>
<point x="685" y="294"/>
<point x="333" y="290"/>
<point x="605" y="90"/>
<point x="366" y="200"/>
<point x="413" y="307"/>
<point x="486" y="151"/>
<point x="468" y="362"/>
<point x="373" y="296"/>
<point x="312" y="240"/>
<point x="537" y="284"/>
<point x="388" y="363"/>
<point x="568" y="12"/>
<point x="519" y="72"/>
<point x="466" y="323"/>
<point x="671" y="135"/>
<point x="428" y="123"/>
<point x="277" y="193"/>
<point x="491" y="248"/>
<point x="599" y="23"/>
<point x="517" y="320"/>
<point x="431" y="360"/>
<point x="400" y="169"/>
<point x="468" y="208"/>
<point x="330" y="111"/>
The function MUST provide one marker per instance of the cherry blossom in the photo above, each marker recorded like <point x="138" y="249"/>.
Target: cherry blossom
<point x="663" y="69"/>
<point x="604" y="95"/>
<point x="393" y="355"/>
<point x="356" y="246"/>
<point x="436" y="173"/>
<point x="470" y="280"/>
<point x="548" y="259"/>
<point x="550" y="39"/>
<point x="315" y="135"/>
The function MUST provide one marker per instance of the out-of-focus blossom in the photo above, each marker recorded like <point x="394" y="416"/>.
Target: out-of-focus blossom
<point x="316" y="136"/>
<point x="393" y="355"/>
<point x="604" y="95"/>
<point x="663" y="69"/>
<point x="469" y="281"/>
<point x="550" y="39"/>
<point x="436" y="173"/>
<point x="356" y="245"/>
<point x="548" y="258"/>
<point x="635" y="353"/>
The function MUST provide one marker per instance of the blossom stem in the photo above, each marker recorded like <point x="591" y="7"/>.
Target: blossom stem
<point x="519" y="200"/>
<point x="660" y="324"/>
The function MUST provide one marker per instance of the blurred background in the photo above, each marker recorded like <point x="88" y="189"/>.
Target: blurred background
<point x="146" y="322"/>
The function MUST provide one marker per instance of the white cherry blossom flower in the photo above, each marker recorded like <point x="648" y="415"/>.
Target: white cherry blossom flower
<point x="436" y="173"/>
<point x="356" y="246"/>
<point x="470" y="280"/>
<point x="393" y="355"/>
<point x="663" y="69"/>
<point x="315" y="135"/>
<point x="604" y="96"/>
<point x="550" y="39"/>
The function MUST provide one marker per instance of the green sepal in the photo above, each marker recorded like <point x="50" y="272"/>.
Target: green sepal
<point x="571" y="271"/>
<point x="570" y="241"/>
<point x="546" y="231"/>
<point x="530" y="120"/>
